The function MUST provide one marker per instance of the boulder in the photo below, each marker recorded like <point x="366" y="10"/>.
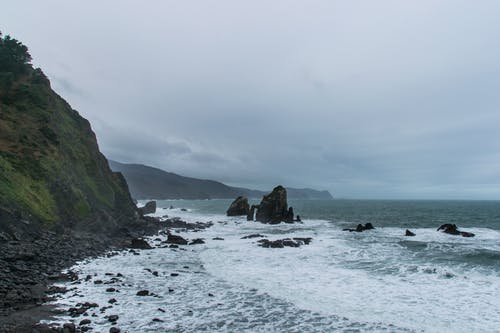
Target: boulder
<point x="197" y="241"/>
<point x="273" y="208"/>
<point x="452" y="229"/>
<point x="239" y="207"/>
<point x="176" y="239"/>
<point x="409" y="233"/>
<point x="139" y="243"/>
<point x="149" y="208"/>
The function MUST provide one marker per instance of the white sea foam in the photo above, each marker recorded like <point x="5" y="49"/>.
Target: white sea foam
<point x="375" y="281"/>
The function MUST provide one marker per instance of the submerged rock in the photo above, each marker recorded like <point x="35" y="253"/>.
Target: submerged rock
<point x="197" y="241"/>
<point x="409" y="233"/>
<point x="253" y="236"/>
<point x="360" y="227"/>
<point x="452" y="229"/>
<point x="149" y="208"/>
<point x="239" y="207"/>
<point x="273" y="208"/>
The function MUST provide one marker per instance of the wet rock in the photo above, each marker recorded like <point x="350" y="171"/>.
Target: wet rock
<point x="174" y="274"/>
<point x="85" y="322"/>
<point x="453" y="230"/>
<point x="409" y="233"/>
<point x="281" y="243"/>
<point x="176" y="239"/>
<point x="157" y="320"/>
<point x="140" y="243"/>
<point x="251" y="212"/>
<point x="360" y="227"/>
<point x="253" y="236"/>
<point x="217" y="238"/>
<point x="197" y="241"/>
<point x="114" y="330"/>
<point x="111" y="290"/>
<point x="149" y="208"/>
<point x="112" y="301"/>
<point x="289" y="215"/>
<point x="143" y="293"/>
<point x="274" y="207"/>
<point x="161" y="310"/>
<point x="69" y="328"/>
<point x="239" y="207"/>
<point x="113" y="318"/>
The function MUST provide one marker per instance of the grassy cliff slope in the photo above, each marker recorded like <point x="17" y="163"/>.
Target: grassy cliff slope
<point x="51" y="171"/>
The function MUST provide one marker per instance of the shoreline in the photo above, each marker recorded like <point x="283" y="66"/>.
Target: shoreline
<point x="30" y="266"/>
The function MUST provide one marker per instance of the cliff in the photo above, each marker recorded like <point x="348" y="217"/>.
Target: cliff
<point x="52" y="174"/>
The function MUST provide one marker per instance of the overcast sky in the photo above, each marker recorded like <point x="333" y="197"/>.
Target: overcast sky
<point x="367" y="99"/>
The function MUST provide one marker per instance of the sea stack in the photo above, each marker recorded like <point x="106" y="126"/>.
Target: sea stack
<point x="239" y="207"/>
<point x="273" y="208"/>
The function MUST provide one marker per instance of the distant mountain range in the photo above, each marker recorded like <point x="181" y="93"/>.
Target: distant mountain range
<point x="146" y="182"/>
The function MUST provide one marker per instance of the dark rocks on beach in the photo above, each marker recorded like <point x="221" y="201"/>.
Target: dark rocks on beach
<point x="143" y="293"/>
<point x="114" y="330"/>
<point x="139" y="243"/>
<point x="273" y="208"/>
<point x="360" y="227"/>
<point x="149" y="208"/>
<point x="239" y="207"/>
<point x="409" y="233"/>
<point x="85" y="322"/>
<point x="176" y="239"/>
<point x="113" y="318"/>
<point x="287" y="242"/>
<point x="218" y="238"/>
<point x="69" y="328"/>
<point x="197" y="241"/>
<point x="452" y="229"/>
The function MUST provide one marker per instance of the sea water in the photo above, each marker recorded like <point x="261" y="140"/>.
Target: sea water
<point x="374" y="281"/>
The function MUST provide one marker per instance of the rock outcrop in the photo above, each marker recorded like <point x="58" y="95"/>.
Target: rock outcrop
<point x="148" y="208"/>
<point x="287" y="242"/>
<point x="251" y="213"/>
<point x="360" y="227"/>
<point x="452" y="229"/>
<point x="239" y="207"/>
<point x="409" y="233"/>
<point x="273" y="208"/>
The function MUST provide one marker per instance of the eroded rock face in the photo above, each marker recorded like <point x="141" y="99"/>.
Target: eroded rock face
<point x="239" y="207"/>
<point x="452" y="229"/>
<point x="251" y="213"/>
<point x="149" y="208"/>
<point x="274" y="207"/>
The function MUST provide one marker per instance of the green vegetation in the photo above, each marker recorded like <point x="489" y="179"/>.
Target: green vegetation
<point x="51" y="169"/>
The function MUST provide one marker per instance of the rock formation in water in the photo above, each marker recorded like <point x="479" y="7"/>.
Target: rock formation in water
<point x="452" y="229"/>
<point x="273" y="208"/>
<point x="239" y="207"/>
<point x="149" y="208"/>
<point x="409" y="233"/>
<point x="360" y="227"/>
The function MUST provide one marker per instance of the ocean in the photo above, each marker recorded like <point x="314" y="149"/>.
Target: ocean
<point x="374" y="281"/>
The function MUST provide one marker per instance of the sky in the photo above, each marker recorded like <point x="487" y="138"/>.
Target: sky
<point x="366" y="99"/>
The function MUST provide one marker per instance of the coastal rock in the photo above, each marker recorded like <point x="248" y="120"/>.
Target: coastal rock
<point x="409" y="233"/>
<point x="287" y="242"/>
<point x="253" y="236"/>
<point x="452" y="229"/>
<point x="143" y="293"/>
<point x="149" y="208"/>
<point x="197" y="241"/>
<point x="251" y="212"/>
<point x="360" y="227"/>
<point x="289" y="215"/>
<point x="176" y="239"/>
<point x="239" y="207"/>
<point x="139" y="243"/>
<point x="274" y="207"/>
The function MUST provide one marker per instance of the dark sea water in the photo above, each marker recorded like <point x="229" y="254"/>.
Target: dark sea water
<point x="374" y="281"/>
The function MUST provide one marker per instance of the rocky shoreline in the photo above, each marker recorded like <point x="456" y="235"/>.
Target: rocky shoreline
<point x="28" y="266"/>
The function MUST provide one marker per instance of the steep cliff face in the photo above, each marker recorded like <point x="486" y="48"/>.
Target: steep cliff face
<point x="52" y="174"/>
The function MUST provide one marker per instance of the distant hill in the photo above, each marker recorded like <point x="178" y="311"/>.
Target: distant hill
<point x="146" y="182"/>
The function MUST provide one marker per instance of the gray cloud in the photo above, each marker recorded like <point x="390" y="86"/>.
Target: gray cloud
<point x="384" y="99"/>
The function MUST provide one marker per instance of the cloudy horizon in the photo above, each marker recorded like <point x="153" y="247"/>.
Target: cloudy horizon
<point x="384" y="99"/>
